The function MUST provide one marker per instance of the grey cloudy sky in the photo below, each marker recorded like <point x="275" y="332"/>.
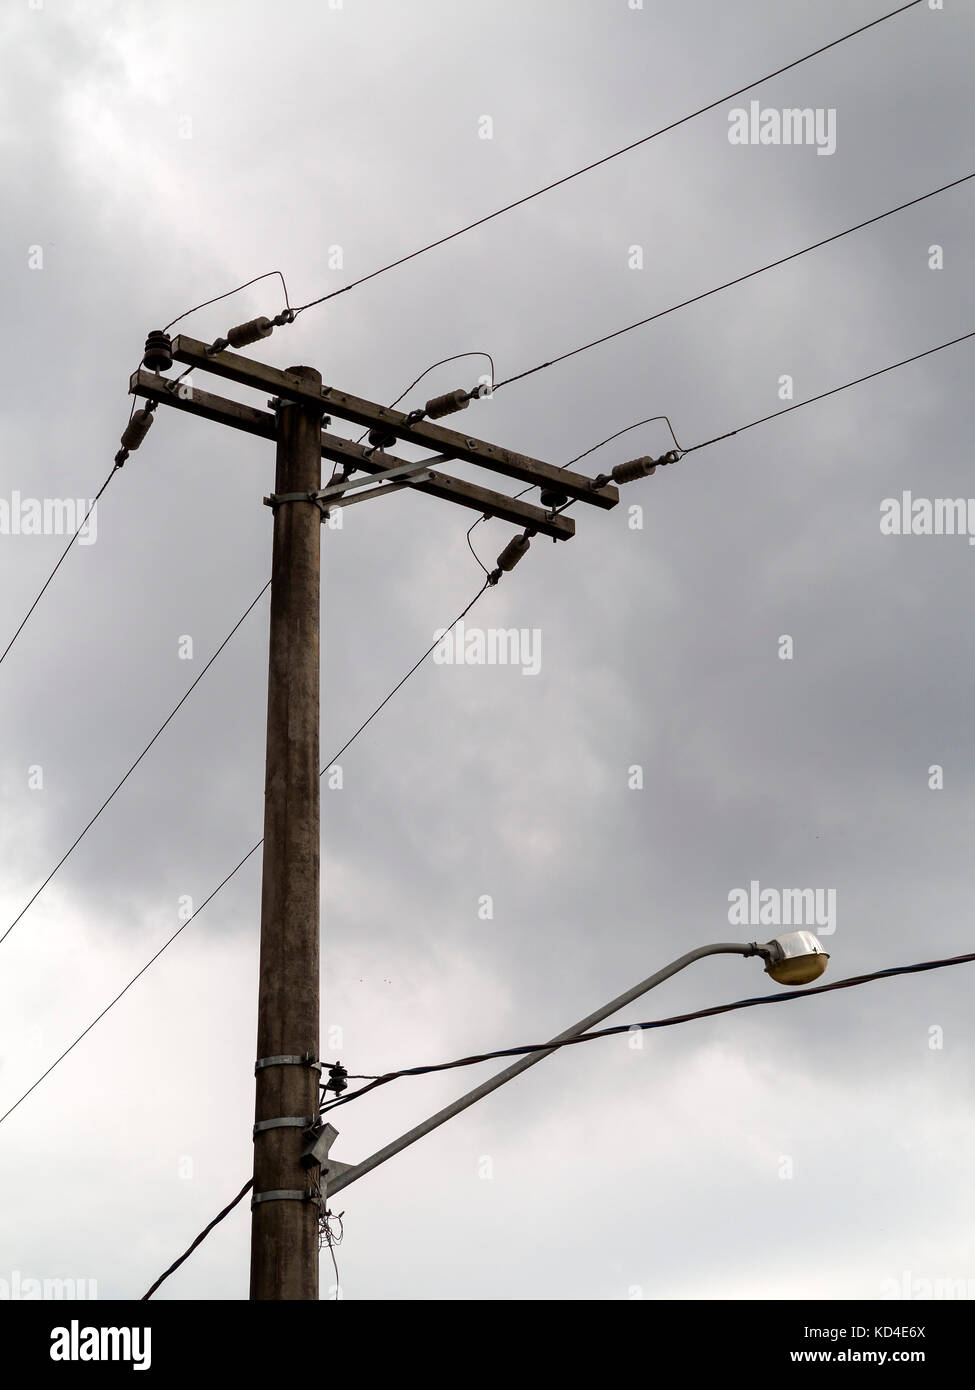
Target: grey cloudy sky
<point x="159" y="155"/>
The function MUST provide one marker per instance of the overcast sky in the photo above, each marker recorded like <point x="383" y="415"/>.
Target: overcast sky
<point x="158" y="155"/>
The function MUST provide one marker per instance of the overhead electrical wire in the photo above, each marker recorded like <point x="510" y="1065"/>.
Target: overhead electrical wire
<point x="60" y="562"/>
<point x="833" y="391"/>
<point x="118" y="464"/>
<point x="774" y="415"/>
<point x="727" y="284"/>
<point x="615" y="154"/>
<point x="562" y="357"/>
<point x="670" y="1022"/>
<point x="476" y="352"/>
<point x="452" y="236"/>
<point x="528" y="198"/>
<point x="119" y="785"/>
<point x="702" y="445"/>
<point x="200" y="1238"/>
<point x="238" y="866"/>
<point x="617" y="1029"/>
<point x="133" y="435"/>
<point x="236" y="290"/>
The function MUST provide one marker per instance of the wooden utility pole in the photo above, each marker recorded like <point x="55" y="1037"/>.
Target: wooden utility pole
<point x="284" y="1233"/>
<point x="287" y="1190"/>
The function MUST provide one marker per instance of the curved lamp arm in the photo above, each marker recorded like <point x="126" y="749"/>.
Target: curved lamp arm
<point x="346" y="1175"/>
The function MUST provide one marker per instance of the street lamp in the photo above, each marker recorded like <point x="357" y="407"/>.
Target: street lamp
<point x="794" y="958"/>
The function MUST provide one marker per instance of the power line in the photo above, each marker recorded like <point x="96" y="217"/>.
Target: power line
<point x="583" y="1038"/>
<point x="240" y="864"/>
<point x="832" y="392"/>
<point x="738" y="280"/>
<point x="60" y="562"/>
<point x="133" y="435"/>
<point x="436" y="643"/>
<point x="670" y="1022"/>
<point x="138" y="760"/>
<point x="587" y="168"/>
<point x="236" y="290"/>
<point x="200" y="1238"/>
<point x="477" y="352"/>
<point x="651" y="419"/>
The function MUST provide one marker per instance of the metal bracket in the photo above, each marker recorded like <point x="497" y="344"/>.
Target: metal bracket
<point x="401" y="470"/>
<point x="334" y="494"/>
<point x="285" y="1194"/>
<point x="289" y="1059"/>
<point x="333" y="1168"/>
<point x="276" y="498"/>
<point x="383" y="491"/>
<point x="284" y="1122"/>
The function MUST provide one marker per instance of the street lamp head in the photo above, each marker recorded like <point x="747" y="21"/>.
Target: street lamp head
<point x="795" y="958"/>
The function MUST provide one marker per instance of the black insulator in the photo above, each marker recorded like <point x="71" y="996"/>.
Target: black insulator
<point x="551" y="497"/>
<point x="243" y="333"/>
<point x="137" y="429"/>
<point x="632" y="469"/>
<point x="446" y="405"/>
<point x="381" y="437"/>
<point x="337" y="1081"/>
<point x="159" y="351"/>
<point x="512" y="553"/>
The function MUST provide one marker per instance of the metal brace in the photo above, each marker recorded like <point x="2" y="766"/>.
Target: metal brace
<point x="382" y="491"/>
<point x="284" y="1122"/>
<point x="285" y="1194"/>
<point x="289" y="1059"/>
<point x="333" y="495"/>
<point x="278" y="402"/>
<point x="400" y="470"/>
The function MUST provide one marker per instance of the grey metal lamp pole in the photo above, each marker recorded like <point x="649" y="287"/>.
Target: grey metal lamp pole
<point x="794" y="958"/>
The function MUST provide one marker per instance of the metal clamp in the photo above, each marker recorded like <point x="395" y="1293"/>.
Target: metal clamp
<point x="284" y="1122"/>
<point x="276" y="498"/>
<point x="289" y="1059"/>
<point x="285" y="1194"/>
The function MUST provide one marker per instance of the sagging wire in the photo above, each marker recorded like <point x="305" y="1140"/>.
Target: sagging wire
<point x="750" y="1003"/>
<point x="331" y="1238"/>
<point x="122" y="781"/>
<point x="835" y="390"/>
<point x="136" y="429"/>
<point x="615" y="154"/>
<point x="237" y="867"/>
<point x="216" y="299"/>
<point x="383" y="437"/>
<point x="728" y="284"/>
<point x="673" y="1021"/>
<point x="644" y="467"/>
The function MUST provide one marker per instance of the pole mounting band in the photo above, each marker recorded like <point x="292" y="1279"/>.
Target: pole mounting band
<point x="284" y="1194"/>
<point x="284" y="1122"/>
<point x="277" y="498"/>
<point x="289" y="1059"/>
